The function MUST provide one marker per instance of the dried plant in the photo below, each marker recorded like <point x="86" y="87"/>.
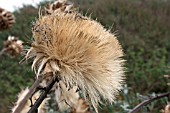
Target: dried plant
<point x="59" y="6"/>
<point x="41" y="109"/>
<point x="81" y="107"/>
<point x="84" y="53"/>
<point x="148" y="101"/>
<point x="167" y="109"/>
<point x="66" y="98"/>
<point x="7" y="19"/>
<point x="79" y="54"/>
<point x="13" y="46"/>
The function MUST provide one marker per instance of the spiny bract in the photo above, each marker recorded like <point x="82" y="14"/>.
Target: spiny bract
<point x="13" y="46"/>
<point x="7" y="19"/>
<point x="82" y="50"/>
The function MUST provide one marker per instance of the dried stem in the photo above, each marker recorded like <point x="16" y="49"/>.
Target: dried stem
<point x="43" y="95"/>
<point x="144" y="103"/>
<point x="28" y="95"/>
<point x="2" y="51"/>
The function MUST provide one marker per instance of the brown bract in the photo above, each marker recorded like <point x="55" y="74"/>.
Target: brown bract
<point x="59" y="6"/>
<point x="7" y="19"/>
<point x="81" y="107"/>
<point x="66" y="98"/>
<point x="82" y="50"/>
<point x="13" y="46"/>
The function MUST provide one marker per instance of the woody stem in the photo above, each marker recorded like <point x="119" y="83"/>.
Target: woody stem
<point x="43" y="95"/>
<point x="28" y="95"/>
<point x="145" y="102"/>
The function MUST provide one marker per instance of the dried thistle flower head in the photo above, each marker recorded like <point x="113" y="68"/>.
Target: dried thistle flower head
<point x="83" y="51"/>
<point x="7" y="19"/>
<point x="41" y="109"/>
<point x="167" y="109"/>
<point x="13" y="46"/>
<point x="59" y="6"/>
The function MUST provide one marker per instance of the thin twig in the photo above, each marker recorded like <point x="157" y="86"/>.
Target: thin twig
<point x="28" y="95"/>
<point x="43" y="95"/>
<point x="144" y="103"/>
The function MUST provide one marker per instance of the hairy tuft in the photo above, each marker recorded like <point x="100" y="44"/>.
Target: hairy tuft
<point x="83" y="51"/>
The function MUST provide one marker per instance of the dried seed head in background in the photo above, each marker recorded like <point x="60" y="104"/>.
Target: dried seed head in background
<point x="167" y="109"/>
<point x="13" y="46"/>
<point x="59" y="6"/>
<point x="7" y="19"/>
<point x="83" y="51"/>
<point x="41" y="109"/>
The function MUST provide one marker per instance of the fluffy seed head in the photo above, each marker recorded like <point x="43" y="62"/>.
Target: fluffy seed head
<point x="82" y="50"/>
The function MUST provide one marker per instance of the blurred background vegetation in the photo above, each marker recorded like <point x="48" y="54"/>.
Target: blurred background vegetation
<point x="143" y="29"/>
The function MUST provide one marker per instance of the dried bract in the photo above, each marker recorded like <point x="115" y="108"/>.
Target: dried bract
<point x="59" y="6"/>
<point x="13" y="46"/>
<point x="81" y="107"/>
<point x="7" y="19"/>
<point x="66" y="98"/>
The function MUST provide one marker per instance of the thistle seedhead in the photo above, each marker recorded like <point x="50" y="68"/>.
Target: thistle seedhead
<point x="7" y="19"/>
<point x="84" y="53"/>
<point x="13" y="46"/>
<point x="59" y="6"/>
<point x="42" y="107"/>
<point x="167" y="109"/>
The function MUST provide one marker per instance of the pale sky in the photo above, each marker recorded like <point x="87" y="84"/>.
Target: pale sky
<point x="11" y="5"/>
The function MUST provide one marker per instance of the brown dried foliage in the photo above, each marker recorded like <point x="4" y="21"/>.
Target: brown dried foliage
<point x="59" y="6"/>
<point x="13" y="46"/>
<point x="7" y="19"/>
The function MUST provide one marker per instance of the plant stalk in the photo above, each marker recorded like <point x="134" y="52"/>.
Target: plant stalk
<point x="28" y="95"/>
<point x="145" y="102"/>
<point x="34" y="108"/>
